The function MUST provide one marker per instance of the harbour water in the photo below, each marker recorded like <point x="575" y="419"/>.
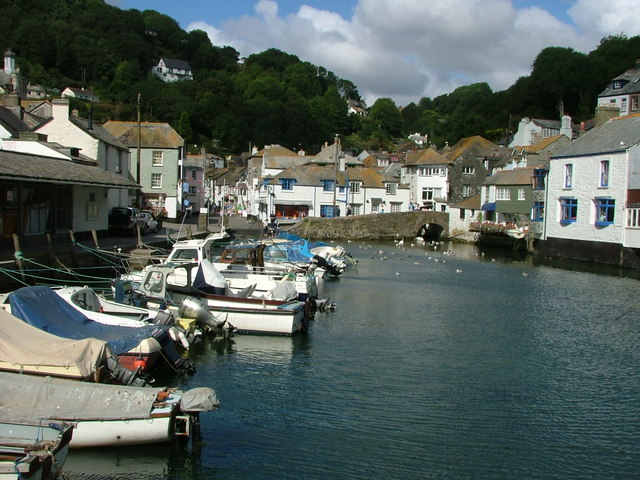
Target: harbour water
<point x="434" y="366"/>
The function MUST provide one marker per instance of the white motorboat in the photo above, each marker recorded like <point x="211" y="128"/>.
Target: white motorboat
<point x="32" y="449"/>
<point x="105" y="415"/>
<point x="247" y="314"/>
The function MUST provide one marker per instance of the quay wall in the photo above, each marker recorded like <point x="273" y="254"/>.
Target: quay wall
<point x="382" y="226"/>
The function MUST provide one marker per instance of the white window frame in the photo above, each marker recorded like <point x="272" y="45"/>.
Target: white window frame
<point x="156" y="180"/>
<point x="503" y="194"/>
<point x="157" y="158"/>
<point x="568" y="176"/>
<point x="521" y="194"/>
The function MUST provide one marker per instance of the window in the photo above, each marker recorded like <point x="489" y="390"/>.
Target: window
<point x="354" y="187"/>
<point x="462" y="213"/>
<point x="156" y="180"/>
<point x="356" y="209"/>
<point x="604" y="173"/>
<point x="521" y="194"/>
<point x="568" y="175"/>
<point x="466" y="190"/>
<point x="605" y="210"/>
<point x="287" y="183"/>
<point x="503" y="193"/>
<point x="157" y="158"/>
<point x="328" y="185"/>
<point x="468" y="170"/>
<point x="538" y="178"/>
<point x="391" y="188"/>
<point x="537" y="212"/>
<point x="633" y="217"/>
<point x="194" y="174"/>
<point x="634" y="104"/>
<point x="395" y="207"/>
<point x="568" y="210"/>
<point x="192" y="190"/>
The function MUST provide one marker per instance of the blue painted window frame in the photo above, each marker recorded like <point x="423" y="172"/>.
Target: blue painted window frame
<point x="568" y="210"/>
<point x="539" y="175"/>
<point x="537" y="212"/>
<point x="328" y="185"/>
<point x="287" y="183"/>
<point x="605" y="211"/>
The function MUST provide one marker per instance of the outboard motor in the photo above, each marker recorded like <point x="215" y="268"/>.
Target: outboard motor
<point x="192" y="307"/>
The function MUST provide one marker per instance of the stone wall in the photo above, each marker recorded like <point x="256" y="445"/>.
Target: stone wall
<point x="382" y="226"/>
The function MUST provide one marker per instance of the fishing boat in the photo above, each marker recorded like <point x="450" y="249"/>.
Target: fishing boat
<point x="247" y="314"/>
<point x="32" y="450"/>
<point x="106" y="415"/>
<point x="39" y="306"/>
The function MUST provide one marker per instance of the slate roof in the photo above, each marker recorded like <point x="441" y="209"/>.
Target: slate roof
<point x="310" y="175"/>
<point x="428" y="156"/>
<point x="12" y="123"/>
<point x="152" y="135"/>
<point x="517" y="176"/>
<point x="617" y="135"/>
<point x="630" y="83"/>
<point x="471" y="203"/>
<point x="27" y="167"/>
<point x="479" y="146"/>
<point x="93" y="129"/>
<point x="176" y="63"/>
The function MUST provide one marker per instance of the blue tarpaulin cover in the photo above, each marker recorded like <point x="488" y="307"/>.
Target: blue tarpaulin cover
<point x="41" y="307"/>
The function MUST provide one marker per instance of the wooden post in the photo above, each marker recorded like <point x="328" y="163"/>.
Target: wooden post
<point x="73" y="248"/>
<point x="94" y="234"/>
<point x="50" y="250"/>
<point x="18" y="254"/>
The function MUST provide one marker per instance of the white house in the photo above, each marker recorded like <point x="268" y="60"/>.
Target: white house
<point x="532" y="130"/>
<point x="623" y="92"/>
<point x="426" y="173"/>
<point x="323" y="191"/>
<point x="172" y="70"/>
<point x="592" y="210"/>
<point x="80" y="94"/>
<point x="93" y="141"/>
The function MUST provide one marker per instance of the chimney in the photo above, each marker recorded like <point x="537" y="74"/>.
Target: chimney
<point x="565" y="128"/>
<point x="60" y="108"/>
<point x="605" y="113"/>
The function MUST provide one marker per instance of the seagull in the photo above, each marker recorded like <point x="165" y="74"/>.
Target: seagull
<point x="459" y="270"/>
<point x="397" y="274"/>
<point x="525" y="274"/>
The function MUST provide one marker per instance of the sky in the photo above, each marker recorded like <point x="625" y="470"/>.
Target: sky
<point x="406" y="49"/>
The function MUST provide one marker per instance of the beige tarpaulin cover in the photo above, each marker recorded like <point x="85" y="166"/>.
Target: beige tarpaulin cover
<point x="25" y="347"/>
<point x="29" y="396"/>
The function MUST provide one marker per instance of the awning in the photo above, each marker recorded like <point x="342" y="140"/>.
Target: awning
<point x="297" y="203"/>
<point x="489" y="207"/>
<point x="376" y="200"/>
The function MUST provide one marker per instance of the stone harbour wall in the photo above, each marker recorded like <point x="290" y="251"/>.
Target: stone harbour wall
<point x="383" y="226"/>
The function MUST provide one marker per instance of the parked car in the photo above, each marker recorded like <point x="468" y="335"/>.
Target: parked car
<point x="150" y="223"/>
<point x="125" y="220"/>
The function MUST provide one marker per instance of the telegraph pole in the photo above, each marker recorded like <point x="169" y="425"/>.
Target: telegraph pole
<point x="139" y="190"/>
<point x="335" y="162"/>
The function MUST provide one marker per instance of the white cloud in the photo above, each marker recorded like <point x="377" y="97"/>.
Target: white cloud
<point x="407" y="49"/>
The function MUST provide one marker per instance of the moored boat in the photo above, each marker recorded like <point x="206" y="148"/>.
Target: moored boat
<point x="106" y="415"/>
<point x="32" y="450"/>
<point x="246" y="314"/>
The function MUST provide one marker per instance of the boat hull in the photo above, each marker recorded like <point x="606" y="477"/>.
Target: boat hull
<point x="33" y="452"/>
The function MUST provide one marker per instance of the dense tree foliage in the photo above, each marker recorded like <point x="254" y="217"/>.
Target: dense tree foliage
<point x="273" y="96"/>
